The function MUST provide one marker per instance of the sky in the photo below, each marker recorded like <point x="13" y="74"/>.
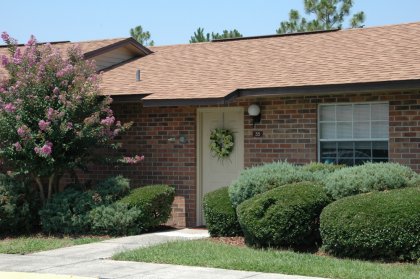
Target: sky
<point x="169" y="22"/>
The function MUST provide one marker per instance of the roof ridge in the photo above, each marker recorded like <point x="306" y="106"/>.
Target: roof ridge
<point x="100" y="40"/>
<point x="382" y="26"/>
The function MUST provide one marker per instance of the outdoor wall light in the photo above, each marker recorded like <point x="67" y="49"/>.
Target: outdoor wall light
<point x="254" y="111"/>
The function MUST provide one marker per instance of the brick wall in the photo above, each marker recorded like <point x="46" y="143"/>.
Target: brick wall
<point x="289" y="126"/>
<point x="167" y="161"/>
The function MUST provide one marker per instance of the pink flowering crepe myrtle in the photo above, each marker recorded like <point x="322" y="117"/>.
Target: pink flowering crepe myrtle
<point x="45" y="150"/>
<point x="132" y="160"/>
<point x="52" y="113"/>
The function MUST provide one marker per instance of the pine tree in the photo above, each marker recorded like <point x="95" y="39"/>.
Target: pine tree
<point x="141" y="36"/>
<point x="200" y="36"/>
<point x="329" y="14"/>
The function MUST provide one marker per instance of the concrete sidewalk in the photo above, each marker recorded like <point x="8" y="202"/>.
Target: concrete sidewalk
<point x="91" y="260"/>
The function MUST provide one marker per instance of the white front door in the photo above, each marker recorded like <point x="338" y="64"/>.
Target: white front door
<point x="215" y="173"/>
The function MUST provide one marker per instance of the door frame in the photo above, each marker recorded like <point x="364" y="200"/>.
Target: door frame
<point x="199" y="171"/>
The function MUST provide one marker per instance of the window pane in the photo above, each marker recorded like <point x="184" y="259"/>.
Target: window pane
<point x="363" y="149"/>
<point x="344" y="130"/>
<point x="327" y="113"/>
<point x="380" y="149"/>
<point x="344" y="113"/>
<point x="327" y="130"/>
<point x="380" y="112"/>
<point x="329" y="149"/>
<point x="345" y="149"/>
<point x="361" y="112"/>
<point x="346" y="161"/>
<point x="361" y="130"/>
<point x="379" y="130"/>
<point x="328" y="152"/>
<point x="353" y="152"/>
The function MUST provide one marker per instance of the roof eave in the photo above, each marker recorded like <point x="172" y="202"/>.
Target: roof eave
<point x="140" y="49"/>
<point x="291" y="90"/>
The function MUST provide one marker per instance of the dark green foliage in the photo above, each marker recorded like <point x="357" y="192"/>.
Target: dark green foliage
<point x="141" y="36"/>
<point x="68" y="212"/>
<point x="380" y="225"/>
<point x="18" y="206"/>
<point x="154" y="201"/>
<point x="260" y="179"/>
<point x="113" y="188"/>
<point x="220" y="216"/>
<point x="327" y="15"/>
<point x="369" y="177"/>
<point x="116" y="219"/>
<point x="200" y="36"/>
<point x="286" y="216"/>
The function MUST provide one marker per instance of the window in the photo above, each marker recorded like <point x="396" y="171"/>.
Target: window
<point x="352" y="134"/>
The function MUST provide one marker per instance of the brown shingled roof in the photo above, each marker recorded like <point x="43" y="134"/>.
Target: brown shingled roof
<point x="216" y="69"/>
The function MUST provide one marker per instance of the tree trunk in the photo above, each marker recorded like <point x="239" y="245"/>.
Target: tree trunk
<point x="50" y="185"/>
<point x="41" y="188"/>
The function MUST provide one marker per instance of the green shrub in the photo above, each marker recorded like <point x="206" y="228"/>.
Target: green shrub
<point x="260" y="179"/>
<point x="18" y="207"/>
<point x="113" y="188"/>
<point x="380" y="225"/>
<point x="316" y="167"/>
<point x="116" y="219"/>
<point x="155" y="202"/>
<point x="68" y="212"/>
<point x="369" y="177"/>
<point x="220" y="216"/>
<point x="287" y="216"/>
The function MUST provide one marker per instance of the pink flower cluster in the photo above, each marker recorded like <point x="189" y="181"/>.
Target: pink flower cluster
<point x="23" y="131"/>
<point x="108" y="121"/>
<point x="4" y="60"/>
<point x="43" y="125"/>
<point x="132" y="160"/>
<point x="9" y="107"/>
<point x="17" y="146"/>
<point x="5" y="37"/>
<point x="17" y="56"/>
<point x="45" y="150"/>
<point x="66" y="70"/>
<point x="53" y="114"/>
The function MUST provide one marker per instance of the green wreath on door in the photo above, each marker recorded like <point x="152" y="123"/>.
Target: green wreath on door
<point x="222" y="142"/>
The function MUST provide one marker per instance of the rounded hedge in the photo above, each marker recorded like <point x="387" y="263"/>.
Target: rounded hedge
<point x="380" y="225"/>
<point x="257" y="180"/>
<point x="220" y="216"/>
<point x="116" y="219"/>
<point x="369" y="177"/>
<point x="154" y="201"/>
<point x="287" y="216"/>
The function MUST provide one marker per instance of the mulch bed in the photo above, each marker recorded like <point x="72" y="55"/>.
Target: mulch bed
<point x="234" y="241"/>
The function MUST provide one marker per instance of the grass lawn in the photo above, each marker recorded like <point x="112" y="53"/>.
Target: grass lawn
<point x="36" y="243"/>
<point x="209" y="254"/>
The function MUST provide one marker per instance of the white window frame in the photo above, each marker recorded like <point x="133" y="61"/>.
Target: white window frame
<point x="319" y="140"/>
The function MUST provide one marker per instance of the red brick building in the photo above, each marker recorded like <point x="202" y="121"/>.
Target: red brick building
<point x="342" y="96"/>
